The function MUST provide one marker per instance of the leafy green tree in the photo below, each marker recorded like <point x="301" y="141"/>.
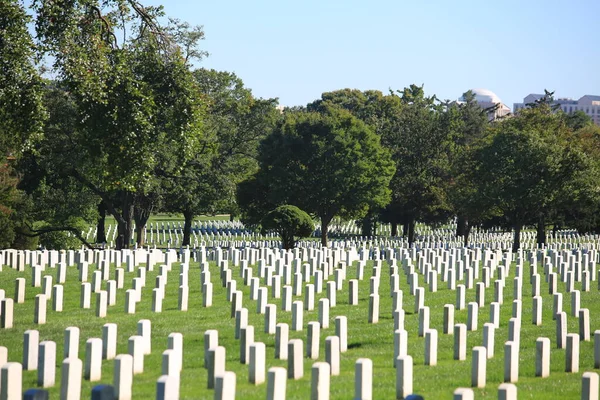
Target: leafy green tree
<point x="376" y="110"/>
<point x="21" y="109"/>
<point x="187" y="37"/>
<point x="525" y="167"/>
<point x="56" y="202"/>
<point x="290" y="222"/>
<point x="237" y="121"/>
<point x="466" y="123"/>
<point x="419" y="147"/>
<point x="328" y="163"/>
<point x="21" y="113"/>
<point x="234" y="124"/>
<point x="579" y="206"/>
<point x="137" y="103"/>
<point x="60" y="210"/>
<point x="9" y="200"/>
<point x="371" y="106"/>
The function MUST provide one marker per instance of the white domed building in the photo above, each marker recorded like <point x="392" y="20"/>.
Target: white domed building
<point x="489" y="100"/>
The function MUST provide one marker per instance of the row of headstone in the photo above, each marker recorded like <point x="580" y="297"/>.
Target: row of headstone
<point x="41" y="356"/>
<point x="372" y="316"/>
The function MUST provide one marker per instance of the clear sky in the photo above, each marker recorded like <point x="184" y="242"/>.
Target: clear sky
<point x="297" y="50"/>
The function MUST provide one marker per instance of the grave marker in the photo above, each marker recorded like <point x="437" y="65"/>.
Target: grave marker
<point x="320" y="380"/>
<point x="123" y="377"/>
<point x="46" y="375"/>
<point x="295" y="359"/>
<point x="93" y="360"/>
<point x="225" y="384"/>
<point x="70" y="382"/>
<point x="276" y="383"/>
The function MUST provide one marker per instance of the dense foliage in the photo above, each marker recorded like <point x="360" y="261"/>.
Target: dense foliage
<point x="290" y="222"/>
<point x="328" y="163"/>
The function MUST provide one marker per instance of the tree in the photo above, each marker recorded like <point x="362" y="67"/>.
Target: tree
<point x="21" y="109"/>
<point x="524" y="167"/>
<point x="378" y="112"/>
<point x="137" y="102"/>
<point x="187" y="38"/>
<point x="9" y="199"/>
<point x="237" y="121"/>
<point x="234" y="124"/>
<point x="466" y="124"/>
<point x="21" y="113"/>
<point x="290" y="222"/>
<point x="579" y="204"/>
<point x="59" y="206"/>
<point x="419" y="148"/>
<point x="328" y="163"/>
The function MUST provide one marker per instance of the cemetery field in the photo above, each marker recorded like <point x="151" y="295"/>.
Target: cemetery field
<point x="365" y="340"/>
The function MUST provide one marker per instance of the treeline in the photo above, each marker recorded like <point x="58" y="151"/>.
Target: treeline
<point x="405" y="157"/>
<point x="121" y="123"/>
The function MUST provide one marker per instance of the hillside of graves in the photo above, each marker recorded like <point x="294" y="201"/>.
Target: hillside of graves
<point x="364" y="319"/>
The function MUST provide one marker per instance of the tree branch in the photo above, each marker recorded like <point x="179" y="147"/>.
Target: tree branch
<point x="107" y="202"/>
<point x="73" y="230"/>
<point x="107" y="28"/>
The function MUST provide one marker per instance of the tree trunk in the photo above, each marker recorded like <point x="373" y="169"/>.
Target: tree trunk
<point x="555" y="230"/>
<point x="466" y="236"/>
<point x="405" y="227"/>
<point x="394" y="229"/>
<point x="324" y="229"/>
<point x="411" y="231"/>
<point x="287" y="240"/>
<point x="367" y="226"/>
<point x="461" y="225"/>
<point x="101" y="224"/>
<point x="187" y="227"/>
<point x="143" y="207"/>
<point x="541" y="231"/>
<point x="139" y="234"/>
<point x="123" y="217"/>
<point x="124" y="226"/>
<point x="517" y="238"/>
<point x="141" y="215"/>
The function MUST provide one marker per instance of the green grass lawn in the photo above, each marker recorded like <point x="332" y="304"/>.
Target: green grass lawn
<point x="374" y="341"/>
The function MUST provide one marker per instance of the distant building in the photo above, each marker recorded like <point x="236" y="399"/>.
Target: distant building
<point x="588" y="104"/>
<point x="488" y="100"/>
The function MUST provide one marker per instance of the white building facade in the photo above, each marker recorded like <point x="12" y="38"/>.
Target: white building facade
<point x="489" y="101"/>
<point x="589" y="104"/>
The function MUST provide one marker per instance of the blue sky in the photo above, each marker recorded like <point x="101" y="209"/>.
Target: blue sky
<point x="297" y="50"/>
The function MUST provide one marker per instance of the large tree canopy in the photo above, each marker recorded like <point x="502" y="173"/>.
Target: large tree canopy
<point x="328" y="163"/>
<point x="466" y="123"/>
<point x="419" y="147"/>
<point x="379" y="112"/>
<point x="526" y="166"/>
<point x="21" y="110"/>
<point x="234" y="123"/>
<point x="137" y="104"/>
<point x="21" y="114"/>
